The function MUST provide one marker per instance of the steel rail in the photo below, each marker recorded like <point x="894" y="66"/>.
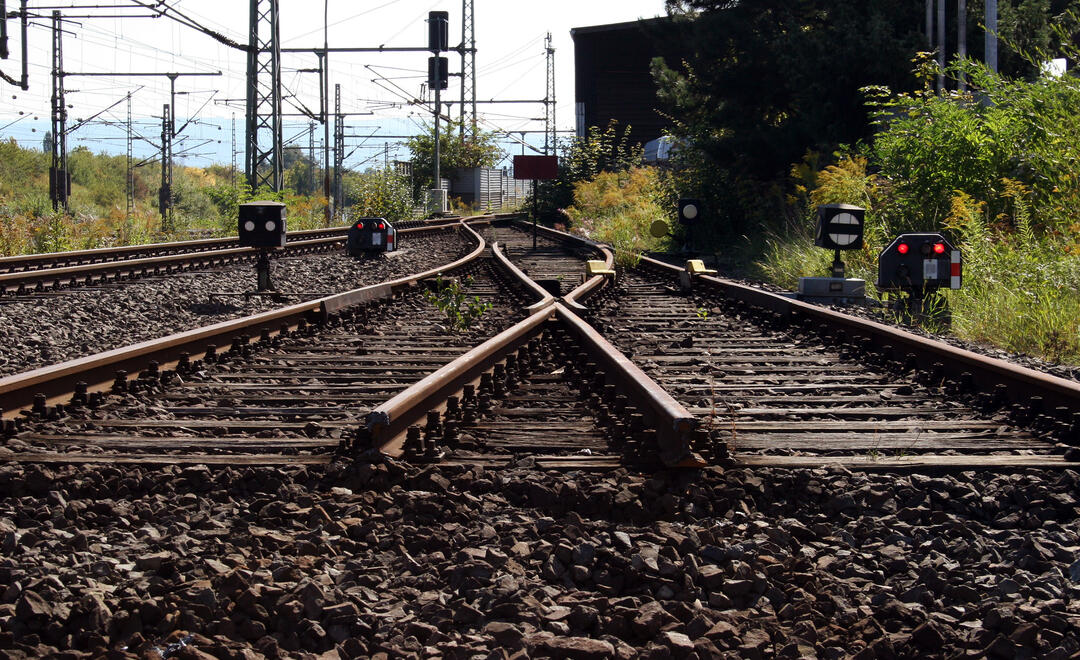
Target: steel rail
<point x="388" y="422"/>
<point x="1020" y="382"/>
<point x="97" y="255"/>
<point x="591" y="284"/>
<point x="673" y="422"/>
<point x="22" y="262"/>
<point x="18" y="391"/>
<point x="545" y="297"/>
<point x="43" y="278"/>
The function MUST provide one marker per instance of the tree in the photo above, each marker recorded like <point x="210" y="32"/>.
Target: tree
<point x="379" y="194"/>
<point x="769" y="80"/>
<point x="481" y="151"/>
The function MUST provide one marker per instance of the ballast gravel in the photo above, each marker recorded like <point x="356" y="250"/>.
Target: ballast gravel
<point x="45" y="329"/>
<point x="386" y="560"/>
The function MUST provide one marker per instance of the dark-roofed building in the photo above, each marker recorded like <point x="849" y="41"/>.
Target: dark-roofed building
<point x="612" y="77"/>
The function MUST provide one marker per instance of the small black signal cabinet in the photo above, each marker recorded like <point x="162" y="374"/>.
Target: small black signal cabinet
<point x="262" y="224"/>
<point x="919" y="263"/>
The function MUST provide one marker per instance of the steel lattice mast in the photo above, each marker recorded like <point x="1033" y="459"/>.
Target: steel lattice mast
<point x="263" y="137"/>
<point x="58" y="176"/>
<point x="549" y="99"/>
<point x="468" y="71"/>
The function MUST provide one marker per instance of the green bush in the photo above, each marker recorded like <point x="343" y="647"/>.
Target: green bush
<point x="996" y="175"/>
<point x="619" y="207"/>
<point x="378" y="194"/>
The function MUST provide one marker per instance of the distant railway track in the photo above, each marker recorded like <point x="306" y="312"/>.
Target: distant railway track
<point x="586" y="373"/>
<point x="40" y="272"/>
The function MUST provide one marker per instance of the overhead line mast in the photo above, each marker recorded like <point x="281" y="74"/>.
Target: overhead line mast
<point x="549" y="99"/>
<point x="468" y="72"/>
<point x="263" y="135"/>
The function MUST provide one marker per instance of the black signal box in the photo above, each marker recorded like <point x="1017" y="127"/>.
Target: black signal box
<point x="438" y="31"/>
<point x="689" y="211"/>
<point x="262" y="224"/>
<point x="918" y="263"/>
<point x="438" y="73"/>
<point x="840" y="227"/>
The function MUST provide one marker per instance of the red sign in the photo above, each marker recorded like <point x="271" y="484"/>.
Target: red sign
<point x="536" y="167"/>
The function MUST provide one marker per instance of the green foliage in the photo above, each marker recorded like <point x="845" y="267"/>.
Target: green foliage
<point x="1021" y="288"/>
<point x="378" y="194"/>
<point x="929" y="147"/>
<point x="482" y="151"/>
<point x="997" y="175"/>
<point x="765" y="82"/>
<point x="450" y="297"/>
<point x="619" y="207"/>
<point x="583" y="158"/>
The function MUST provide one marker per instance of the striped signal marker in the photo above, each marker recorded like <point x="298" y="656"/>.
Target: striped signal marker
<point x="955" y="270"/>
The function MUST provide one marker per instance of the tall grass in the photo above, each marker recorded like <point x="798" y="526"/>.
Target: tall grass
<point x="619" y="207"/>
<point x="1021" y="287"/>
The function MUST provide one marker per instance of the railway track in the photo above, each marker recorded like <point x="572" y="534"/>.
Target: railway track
<point x="719" y="375"/>
<point x="25" y="274"/>
<point x="251" y="497"/>
<point x="769" y="395"/>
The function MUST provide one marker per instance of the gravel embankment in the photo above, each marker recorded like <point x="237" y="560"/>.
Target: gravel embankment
<point x="406" y="562"/>
<point x="48" y="329"/>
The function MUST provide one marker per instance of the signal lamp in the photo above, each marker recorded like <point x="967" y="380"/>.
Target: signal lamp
<point x="939" y="248"/>
<point x="359" y="225"/>
<point x="382" y="226"/>
<point x="902" y="248"/>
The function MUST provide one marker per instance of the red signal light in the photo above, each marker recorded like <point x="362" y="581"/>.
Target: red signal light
<point x="359" y="225"/>
<point x="939" y="248"/>
<point x="382" y="226"/>
<point x="902" y="248"/>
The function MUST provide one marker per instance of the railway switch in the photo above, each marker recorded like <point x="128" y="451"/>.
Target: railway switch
<point x="918" y="264"/>
<point x="262" y="225"/>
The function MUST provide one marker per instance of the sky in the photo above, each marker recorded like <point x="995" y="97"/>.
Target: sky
<point x="375" y="87"/>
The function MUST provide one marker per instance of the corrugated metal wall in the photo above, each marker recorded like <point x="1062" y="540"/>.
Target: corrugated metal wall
<point x="489" y="188"/>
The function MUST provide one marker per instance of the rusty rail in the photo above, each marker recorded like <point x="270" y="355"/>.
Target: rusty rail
<point x="591" y="284"/>
<point x="388" y="423"/>
<point x="18" y="391"/>
<point x="99" y="255"/>
<point x="1021" y="383"/>
<point x="183" y="259"/>
<point x="545" y="297"/>
<point x="673" y="422"/>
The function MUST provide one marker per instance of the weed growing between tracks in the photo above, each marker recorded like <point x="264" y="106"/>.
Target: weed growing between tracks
<point x="450" y="297"/>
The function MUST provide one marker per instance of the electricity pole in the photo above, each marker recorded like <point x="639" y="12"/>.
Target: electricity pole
<point x="468" y="71"/>
<point x="961" y="37"/>
<point x="165" y="193"/>
<point x="263" y="135"/>
<point x="311" y="158"/>
<point x="339" y="148"/>
<point x="941" y="46"/>
<point x="549" y="99"/>
<point x="991" y="44"/>
<point x="324" y="114"/>
<point x="130" y="169"/>
<point x="59" y="180"/>
<point x="165" y="201"/>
